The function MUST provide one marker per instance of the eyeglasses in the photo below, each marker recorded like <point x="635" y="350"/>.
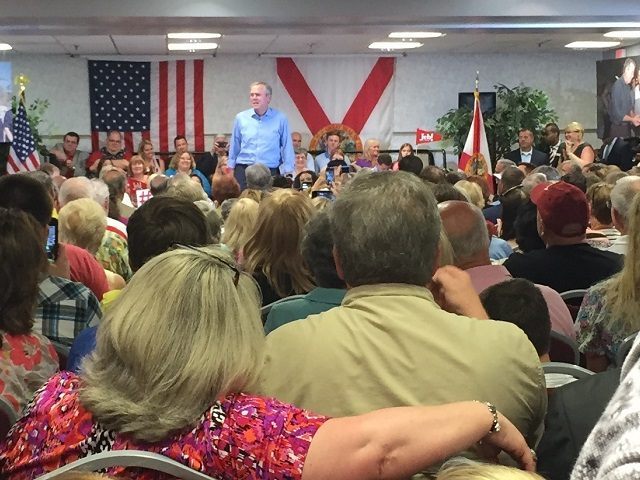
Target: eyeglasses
<point x="216" y="258"/>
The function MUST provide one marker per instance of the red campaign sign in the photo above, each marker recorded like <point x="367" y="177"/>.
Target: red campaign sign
<point x="427" y="136"/>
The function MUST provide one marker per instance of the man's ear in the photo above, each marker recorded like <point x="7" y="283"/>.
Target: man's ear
<point x="336" y="260"/>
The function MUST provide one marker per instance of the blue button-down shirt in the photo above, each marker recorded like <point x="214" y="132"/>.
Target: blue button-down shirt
<point x="262" y="139"/>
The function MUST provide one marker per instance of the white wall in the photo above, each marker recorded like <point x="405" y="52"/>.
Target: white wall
<point x="426" y="87"/>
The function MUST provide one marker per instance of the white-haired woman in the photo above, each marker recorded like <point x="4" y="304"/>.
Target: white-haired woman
<point x="83" y="223"/>
<point x="168" y="377"/>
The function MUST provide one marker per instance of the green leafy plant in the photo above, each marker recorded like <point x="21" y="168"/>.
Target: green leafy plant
<point x="517" y="107"/>
<point x="35" y="113"/>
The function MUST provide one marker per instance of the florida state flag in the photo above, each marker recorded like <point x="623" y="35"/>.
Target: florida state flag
<point x="475" y="159"/>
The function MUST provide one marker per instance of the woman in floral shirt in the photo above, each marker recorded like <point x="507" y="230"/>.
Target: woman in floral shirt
<point x="27" y="358"/>
<point x="164" y="378"/>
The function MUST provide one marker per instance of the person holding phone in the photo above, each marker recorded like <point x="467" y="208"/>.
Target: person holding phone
<point x="208" y="162"/>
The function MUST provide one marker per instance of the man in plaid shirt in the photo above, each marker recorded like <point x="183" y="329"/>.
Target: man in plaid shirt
<point x="64" y="307"/>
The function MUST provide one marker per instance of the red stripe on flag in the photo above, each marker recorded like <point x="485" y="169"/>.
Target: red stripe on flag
<point x="369" y="94"/>
<point x="299" y="91"/>
<point x="163" y="106"/>
<point x="476" y="126"/>
<point x="95" y="140"/>
<point x="198" y="100"/>
<point x="128" y="141"/>
<point x="146" y="134"/>
<point x="180" y="126"/>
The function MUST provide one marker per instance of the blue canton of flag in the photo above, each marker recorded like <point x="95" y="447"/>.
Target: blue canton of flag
<point x="119" y="93"/>
<point x="23" y="156"/>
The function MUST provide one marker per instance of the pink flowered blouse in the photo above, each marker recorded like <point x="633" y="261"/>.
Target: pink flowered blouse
<point x="241" y="437"/>
<point x="26" y="363"/>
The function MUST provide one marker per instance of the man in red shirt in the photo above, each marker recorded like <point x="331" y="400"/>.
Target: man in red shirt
<point x="111" y="154"/>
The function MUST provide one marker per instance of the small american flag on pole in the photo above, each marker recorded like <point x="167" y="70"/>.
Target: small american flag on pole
<point x="23" y="156"/>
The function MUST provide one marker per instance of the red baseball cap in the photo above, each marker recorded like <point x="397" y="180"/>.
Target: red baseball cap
<point x="563" y="208"/>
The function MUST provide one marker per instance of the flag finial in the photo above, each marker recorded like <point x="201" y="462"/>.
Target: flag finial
<point x="477" y="79"/>
<point x="22" y="81"/>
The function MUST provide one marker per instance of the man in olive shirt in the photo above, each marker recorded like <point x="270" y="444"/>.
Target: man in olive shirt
<point x="389" y="343"/>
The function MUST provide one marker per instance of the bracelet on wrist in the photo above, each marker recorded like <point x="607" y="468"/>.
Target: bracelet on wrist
<point x="495" y="426"/>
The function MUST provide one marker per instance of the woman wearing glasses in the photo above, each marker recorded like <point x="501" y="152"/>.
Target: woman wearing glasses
<point x="168" y="377"/>
<point x="575" y="148"/>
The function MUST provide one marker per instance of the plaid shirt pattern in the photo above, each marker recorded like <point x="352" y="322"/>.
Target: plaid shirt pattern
<point x="64" y="309"/>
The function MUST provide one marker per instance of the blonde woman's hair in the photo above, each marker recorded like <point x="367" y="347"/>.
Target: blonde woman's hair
<point x="320" y="203"/>
<point x="274" y="248"/>
<point x="472" y="191"/>
<point x="240" y="224"/>
<point x="575" y="126"/>
<point x="82" y="223"/>
<point x="176" y="158"/>
<point x="463" y="469"/>
<point x="158" y="365"/>
<point x="622" y="291"/>
<point x="255" y="195"/>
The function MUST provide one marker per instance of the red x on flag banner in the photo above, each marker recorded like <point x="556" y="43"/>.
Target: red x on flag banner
<point x="355" y="93"/>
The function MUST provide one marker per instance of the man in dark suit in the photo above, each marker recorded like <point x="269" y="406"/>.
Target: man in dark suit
<point x="617" y="151"/>
<point x="526" y="153"/>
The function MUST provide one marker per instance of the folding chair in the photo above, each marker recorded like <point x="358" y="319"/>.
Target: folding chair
<point x="563" y="349"/>
<point x="559" y="373"/>
<point x="573" y="300"/>
<point x="129" y="458"/>
<point x="624" y="349"/>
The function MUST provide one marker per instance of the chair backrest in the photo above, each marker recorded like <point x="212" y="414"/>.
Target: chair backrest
<point x="559" y="373"/>
<point x="563" y="349"/>
<point x="573" y="300"/>
<point x="7" y="417"/>
<point x="129" y="458"/>
<point x="264" y="311"/>
<point x="624" y="349"/>
<point x="63" y="354"/>
<point x="575" y="371"/>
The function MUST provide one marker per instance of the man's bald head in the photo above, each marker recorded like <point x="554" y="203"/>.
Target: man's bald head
<point x="73" y="189"/>
<point x="467" y="232"/>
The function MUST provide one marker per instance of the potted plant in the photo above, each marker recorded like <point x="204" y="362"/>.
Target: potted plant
<point x="517" y="107"/>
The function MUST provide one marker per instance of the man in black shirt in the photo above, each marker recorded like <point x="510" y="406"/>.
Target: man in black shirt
<point x="568" y="262"/>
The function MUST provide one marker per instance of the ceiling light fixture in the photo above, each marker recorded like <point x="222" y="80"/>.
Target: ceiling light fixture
<point x="5" y="47"/>
<point x="192" y="46"/>
<point x="188" y="36"/>
<point x="394" y="45"/>
<point x="416" y="34"/>
<point x="582" y="45"/>
<point x="623" y="34"/>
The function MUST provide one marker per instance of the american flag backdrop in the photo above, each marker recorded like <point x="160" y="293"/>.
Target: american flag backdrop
<point x="23" y="156"/>
<point x="152" y="100"/>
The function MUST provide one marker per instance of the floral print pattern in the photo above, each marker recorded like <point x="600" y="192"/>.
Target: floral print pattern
<point x="240" y="437"/>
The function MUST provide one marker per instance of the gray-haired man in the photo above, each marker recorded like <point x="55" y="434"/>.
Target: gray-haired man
<point x="389" y="343"/>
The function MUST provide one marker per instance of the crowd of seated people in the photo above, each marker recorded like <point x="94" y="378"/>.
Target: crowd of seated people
<point x="338" y="323"/>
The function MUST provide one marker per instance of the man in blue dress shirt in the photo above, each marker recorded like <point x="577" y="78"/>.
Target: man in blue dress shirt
<point x="260" y="135"/>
